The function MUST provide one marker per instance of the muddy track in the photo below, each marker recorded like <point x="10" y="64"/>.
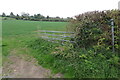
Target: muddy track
<point x="19" y="67"/>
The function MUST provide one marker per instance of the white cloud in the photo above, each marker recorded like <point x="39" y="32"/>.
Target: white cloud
<point x="62" y="8"/>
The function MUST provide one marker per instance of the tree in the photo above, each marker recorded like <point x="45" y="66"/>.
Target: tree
<point x="38" y="17"/>
<point x="3" y="14"/>
<point x="25" y="16"/>
<point x="38" y="14"/>
<point x="35" y="16"/>
<point x="17" y="17"/>
<point x="58" y="17"/>
<point x="47" y="17"/>
<point x="12" y="15"/>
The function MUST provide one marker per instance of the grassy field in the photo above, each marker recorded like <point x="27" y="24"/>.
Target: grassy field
<point x="21" y="36"/>
<point x="17" y="27"/>
<point x="17" y="33"/>
<point x="14" y="31"/>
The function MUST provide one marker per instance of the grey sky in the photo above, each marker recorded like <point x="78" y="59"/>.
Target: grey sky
<point x="62" y="8"/>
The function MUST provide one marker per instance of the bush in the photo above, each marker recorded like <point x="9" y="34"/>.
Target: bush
<point x="74" y="63"/>
<point x="92" y="58"/>
<point x="93" y="28"/>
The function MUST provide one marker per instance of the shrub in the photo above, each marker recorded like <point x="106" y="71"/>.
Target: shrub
<point x="93" y="28"/>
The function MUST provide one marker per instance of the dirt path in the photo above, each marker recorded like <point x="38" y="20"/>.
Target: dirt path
<point x="19" y="67"/>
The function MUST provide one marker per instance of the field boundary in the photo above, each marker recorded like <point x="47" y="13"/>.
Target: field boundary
<point x="56" y="36"/>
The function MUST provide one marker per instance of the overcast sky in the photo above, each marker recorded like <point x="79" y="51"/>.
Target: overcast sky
<point x="53" y="8"/>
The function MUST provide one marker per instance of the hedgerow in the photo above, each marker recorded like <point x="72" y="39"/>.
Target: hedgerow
<point x="74" y="63"/>
<point x="94" y="29"/>
<point x="91" y="55"/>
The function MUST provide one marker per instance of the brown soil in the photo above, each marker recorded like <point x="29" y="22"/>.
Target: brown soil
<point x="19" y="67"/>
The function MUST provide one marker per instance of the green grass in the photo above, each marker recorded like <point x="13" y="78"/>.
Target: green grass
<point x="16" y="33"/>
<point x="17" y="27"/>
<point x="43" y="51"/>
<point x="75" y="63"/>
<point x="19" y="35"/>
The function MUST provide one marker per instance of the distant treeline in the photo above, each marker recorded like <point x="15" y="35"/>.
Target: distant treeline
<point x="35" y="17"/>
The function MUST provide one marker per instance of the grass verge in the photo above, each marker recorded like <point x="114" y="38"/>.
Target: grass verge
<point x="75" y="63"/>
